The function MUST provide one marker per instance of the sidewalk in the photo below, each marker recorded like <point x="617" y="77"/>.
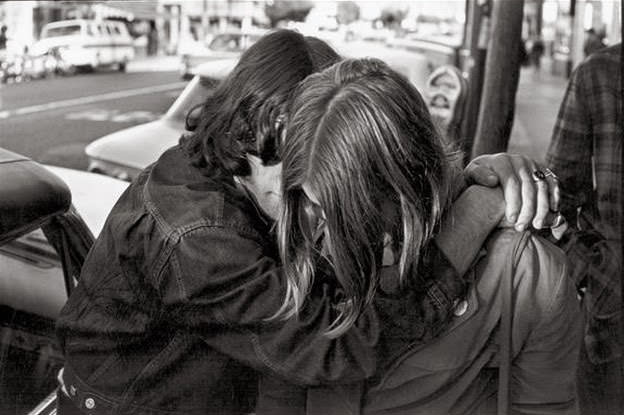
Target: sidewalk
<point x="160" y="63"/>
<point x="537" y="104"/>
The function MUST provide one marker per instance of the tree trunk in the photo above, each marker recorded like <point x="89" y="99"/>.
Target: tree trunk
<point x="502" y="72"/>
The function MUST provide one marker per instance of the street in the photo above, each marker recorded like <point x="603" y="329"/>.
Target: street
<point x="52" y="120"/>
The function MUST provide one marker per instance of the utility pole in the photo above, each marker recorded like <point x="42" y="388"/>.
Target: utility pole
<point x="476" y="35"/>
<point x="502" y="72"/>
<point x="205" y="22"/>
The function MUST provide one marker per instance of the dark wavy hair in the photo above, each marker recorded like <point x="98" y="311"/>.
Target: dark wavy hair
<point x="243" y="114"/>
<point x="361" y="138"/>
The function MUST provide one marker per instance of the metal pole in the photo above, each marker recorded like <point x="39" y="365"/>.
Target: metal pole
<point x="476" y="41"/>
<point x="502" y="72"/>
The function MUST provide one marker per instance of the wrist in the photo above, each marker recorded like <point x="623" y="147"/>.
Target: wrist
<point x="485" y="205"/>
<point x="471" y="218"/>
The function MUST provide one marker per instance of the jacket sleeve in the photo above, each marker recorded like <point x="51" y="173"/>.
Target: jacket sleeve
<point x="570" y="151"/>
<point x="229" y="291"/>
<point x="544" y="371"/>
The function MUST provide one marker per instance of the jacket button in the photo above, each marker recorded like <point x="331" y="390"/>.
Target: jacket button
<point x="89" y="403"/>
<point x="460" y="308"/>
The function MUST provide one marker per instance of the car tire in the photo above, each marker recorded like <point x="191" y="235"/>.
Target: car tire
<point x="70" y="70"/>
<point x="121" y="66"/>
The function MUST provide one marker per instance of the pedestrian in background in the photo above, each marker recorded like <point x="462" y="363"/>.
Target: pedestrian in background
<point x="594" y="41"/>
<point x="3" y="37"/>
<point x="537" y="51"/>
<point x="586" y="153"/>
<point x="152" y="40"/>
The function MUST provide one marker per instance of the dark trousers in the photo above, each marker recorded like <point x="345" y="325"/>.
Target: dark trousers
<point x="601" y="387"/>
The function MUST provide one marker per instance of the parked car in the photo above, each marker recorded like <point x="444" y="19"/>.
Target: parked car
<point x="87" y="43"/>
<point x="49" y="217"/>
<point x="220" y="46"/>
<point x="123" y="154"/>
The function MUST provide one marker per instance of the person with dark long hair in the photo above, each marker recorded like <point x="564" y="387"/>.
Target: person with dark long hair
<point x="365" y="172"/>
<point x="173" y="310"/>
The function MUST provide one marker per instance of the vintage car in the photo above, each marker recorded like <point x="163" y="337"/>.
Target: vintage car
<point x="86" y="43"/>
<point x="226" y="45"/>
<point x="123" y="154"/>
<point x="49" y="217"/>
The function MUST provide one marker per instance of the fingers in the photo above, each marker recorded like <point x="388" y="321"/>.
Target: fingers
<point x="511" y="184"/>
<point x="554" y="219"/>
<point x="553" y="189"/>
<point x="543" y="205"/>
<point x="480" y="174"/>
<point x="528" y="199"/>
<point x="492" y="169"/>
<point x="529" y="195"/>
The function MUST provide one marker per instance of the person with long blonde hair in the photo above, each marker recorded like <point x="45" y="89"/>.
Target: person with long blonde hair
<point x="367" y="178"/>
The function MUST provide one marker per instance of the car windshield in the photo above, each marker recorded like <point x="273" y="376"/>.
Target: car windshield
<point x="61" y="31"/>
<point x="227" y="43"/>
<point x="194" y="94"/>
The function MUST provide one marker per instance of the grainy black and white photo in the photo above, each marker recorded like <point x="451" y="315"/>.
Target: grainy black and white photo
<point x="311" y="207"/>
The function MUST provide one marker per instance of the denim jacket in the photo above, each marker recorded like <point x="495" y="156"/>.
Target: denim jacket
<point x="174" y="305"/>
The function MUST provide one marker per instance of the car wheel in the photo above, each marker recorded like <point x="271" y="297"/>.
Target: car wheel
<point x="70" y="70"/>
<point x="122" y="66"/>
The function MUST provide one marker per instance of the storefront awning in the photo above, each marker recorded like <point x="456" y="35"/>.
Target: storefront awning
<point x="129" y="10"/>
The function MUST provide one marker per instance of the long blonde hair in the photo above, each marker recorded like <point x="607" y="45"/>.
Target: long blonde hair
<point x="361" y="137"/>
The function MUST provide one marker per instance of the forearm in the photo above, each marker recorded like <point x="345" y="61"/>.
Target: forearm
<point x="474" y="214"/>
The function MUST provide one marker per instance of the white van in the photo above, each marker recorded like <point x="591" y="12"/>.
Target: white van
<point x="87" y="43"/>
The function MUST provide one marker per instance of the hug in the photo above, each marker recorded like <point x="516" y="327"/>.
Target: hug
<point x="313" y="247"/>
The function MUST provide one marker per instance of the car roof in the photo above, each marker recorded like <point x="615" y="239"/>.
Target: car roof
<point x="66" y="23"/>
<point x="93" y="194"/>
<point x="217" y="69"/>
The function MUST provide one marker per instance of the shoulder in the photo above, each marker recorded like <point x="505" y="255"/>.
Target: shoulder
<point x="530" y="256"/>
<point x="539" y="268"/>
<point x="601" y="68"/>
<point x="608" y="55"/>
<point x="187" y="204"/>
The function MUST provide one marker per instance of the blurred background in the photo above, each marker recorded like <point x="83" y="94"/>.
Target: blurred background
<point x="57" y="77"/>
<point x="106" y="86"/>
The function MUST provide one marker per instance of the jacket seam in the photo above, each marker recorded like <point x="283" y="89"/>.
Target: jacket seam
<point x="102" y="368"/>
<point x="175" y="267"/>
<point x="130" y="390"/>
<point x="174" y="233"/>
<point x="171" y="259"/>
<point x="560" y="281"/>
<point x="274" y="366"/>
<point x="264" y="358"/>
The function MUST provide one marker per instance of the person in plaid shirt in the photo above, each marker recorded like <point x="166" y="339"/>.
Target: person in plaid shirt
<point x="586" y="154"/>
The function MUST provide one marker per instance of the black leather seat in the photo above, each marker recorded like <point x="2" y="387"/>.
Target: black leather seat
<point x="29" y="195"/>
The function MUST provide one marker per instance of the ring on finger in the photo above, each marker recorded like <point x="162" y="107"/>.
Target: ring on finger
<point x="558" y="220"/>
<point x="538" y="175"/>
<point x="549" y="173"/>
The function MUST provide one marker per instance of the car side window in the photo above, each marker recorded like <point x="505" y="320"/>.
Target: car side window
<point x="116" y="30"/>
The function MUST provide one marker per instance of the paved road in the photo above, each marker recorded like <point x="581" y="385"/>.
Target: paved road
<point x="52" y="120"/>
